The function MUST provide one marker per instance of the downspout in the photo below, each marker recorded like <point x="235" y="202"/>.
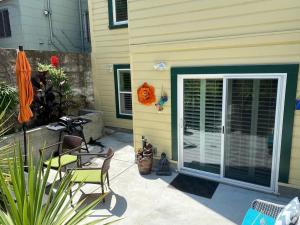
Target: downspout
<point x="81" y="25"/>
<point x="50" y="24"/>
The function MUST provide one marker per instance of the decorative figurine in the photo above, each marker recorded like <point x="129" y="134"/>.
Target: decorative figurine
<point x="146" y="94"/>
<point x="163" y="99"/>
<point x="163" y="166"/>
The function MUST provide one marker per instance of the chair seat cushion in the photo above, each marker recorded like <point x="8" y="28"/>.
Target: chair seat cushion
<point x="64" y="160"/>
<point x="86" y="176"/>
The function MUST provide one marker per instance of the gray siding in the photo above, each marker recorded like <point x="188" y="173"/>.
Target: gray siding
<point x="15" y="24"/>
<point x="35" y="25"/>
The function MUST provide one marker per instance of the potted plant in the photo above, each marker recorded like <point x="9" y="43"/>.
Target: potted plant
<point x="144" y="157"/>
<point x="52" y="92"/>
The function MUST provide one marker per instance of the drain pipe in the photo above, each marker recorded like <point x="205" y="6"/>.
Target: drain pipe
<point x="81" y="25"/>
<point x="48" y="13"/>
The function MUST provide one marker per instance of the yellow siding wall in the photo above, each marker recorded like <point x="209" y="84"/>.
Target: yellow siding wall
<point x="108" y="47"/>
<point x="201" y="33"/>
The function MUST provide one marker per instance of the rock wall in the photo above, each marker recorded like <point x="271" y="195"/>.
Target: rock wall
<point x="76" y="65"/>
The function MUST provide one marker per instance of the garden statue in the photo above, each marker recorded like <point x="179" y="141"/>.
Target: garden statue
<point x="163" y="166"/>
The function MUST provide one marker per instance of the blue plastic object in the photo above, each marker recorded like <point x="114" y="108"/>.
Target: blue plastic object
<point x="253" y="217"/>
<point x="297" y="104"/>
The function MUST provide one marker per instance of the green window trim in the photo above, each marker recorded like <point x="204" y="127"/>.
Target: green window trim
<point x="116" y="68"/>
<point x="111" y="24"/>
<point x="291" y="70"/>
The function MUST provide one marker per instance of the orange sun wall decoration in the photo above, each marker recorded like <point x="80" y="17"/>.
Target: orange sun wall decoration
<point x="146" y="94"/>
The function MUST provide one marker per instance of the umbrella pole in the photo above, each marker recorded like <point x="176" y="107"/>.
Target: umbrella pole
<point x="25" y="144"/>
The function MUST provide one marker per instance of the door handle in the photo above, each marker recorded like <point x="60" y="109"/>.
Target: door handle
<point x="223" y="129"/>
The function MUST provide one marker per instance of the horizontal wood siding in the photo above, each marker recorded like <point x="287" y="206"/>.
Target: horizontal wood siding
<point x="204" y="33"/>
<point x="108" y="47"/>
<point x="65" y="25"/>
<point x="175" y="20"/>
<point x="17" y="37"/>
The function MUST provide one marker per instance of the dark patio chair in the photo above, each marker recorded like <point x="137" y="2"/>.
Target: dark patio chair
<point x="96" y="175"/>
<point x="65" y="155"/>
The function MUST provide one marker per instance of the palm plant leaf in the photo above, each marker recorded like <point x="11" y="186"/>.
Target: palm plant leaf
<point x="5" y="126"/>
<point x="25" y="199"/>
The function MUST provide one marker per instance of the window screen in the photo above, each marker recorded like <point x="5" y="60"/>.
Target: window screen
<point x="5" y="30"/>
<point x="124" y="91"/>
<point x="120" y="11"/>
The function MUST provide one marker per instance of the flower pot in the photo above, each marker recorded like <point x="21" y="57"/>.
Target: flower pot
<point x="145" y="165"/>
<point x="144" y="157"/>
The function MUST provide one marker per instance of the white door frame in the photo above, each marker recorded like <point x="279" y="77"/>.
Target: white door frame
<point x="281" y="77"/>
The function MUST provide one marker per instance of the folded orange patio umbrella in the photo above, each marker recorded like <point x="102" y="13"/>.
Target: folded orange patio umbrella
<point x="23" y="72"/>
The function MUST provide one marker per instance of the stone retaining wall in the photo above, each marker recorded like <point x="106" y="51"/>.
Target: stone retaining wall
<point x="76" y="65"/>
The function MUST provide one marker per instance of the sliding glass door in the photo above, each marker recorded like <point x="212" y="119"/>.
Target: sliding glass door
<point x="230" y="127"/>
<point x="202" y="99"/>
<point x="250" y="121"/>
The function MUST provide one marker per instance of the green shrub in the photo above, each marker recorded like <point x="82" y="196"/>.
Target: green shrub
<point x="8" y="98"/>
<point x="57" y="77"/>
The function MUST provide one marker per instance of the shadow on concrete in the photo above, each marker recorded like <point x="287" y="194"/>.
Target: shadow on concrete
<point x="233" y="202"/>
<point x="229" y="201"/>
<point x="153" y="176"/>
<point x="114" y="203"/>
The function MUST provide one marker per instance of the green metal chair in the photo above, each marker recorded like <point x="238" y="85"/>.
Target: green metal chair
<point x="65" y="155"/>
<point x="96" y="175"/>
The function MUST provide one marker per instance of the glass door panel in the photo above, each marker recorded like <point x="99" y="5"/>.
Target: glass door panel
<point x="202" y="132"/>
<point x="249" y="130"/>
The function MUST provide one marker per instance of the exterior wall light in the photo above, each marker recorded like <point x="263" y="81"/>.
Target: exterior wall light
<point x="161" y="66"/>
<point x="46" y="12"/>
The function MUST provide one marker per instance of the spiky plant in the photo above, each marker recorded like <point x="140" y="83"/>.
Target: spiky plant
<point x="26" y="201"/>
<point x="23" y="196"/>
<point x="5" y="126"/>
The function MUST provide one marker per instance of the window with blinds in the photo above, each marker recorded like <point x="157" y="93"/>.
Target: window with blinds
<point x="202" y="124"/>
<point x="5" y="30"/>
<point x="124" y="92"/>
<point x="250" y="121"/>
<point x="120" y="11"/>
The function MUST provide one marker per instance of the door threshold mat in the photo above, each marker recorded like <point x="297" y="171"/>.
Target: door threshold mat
<point x="195" y="185"/>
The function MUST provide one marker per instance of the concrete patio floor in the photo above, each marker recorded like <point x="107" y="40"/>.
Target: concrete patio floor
<point x="149" y="200"/>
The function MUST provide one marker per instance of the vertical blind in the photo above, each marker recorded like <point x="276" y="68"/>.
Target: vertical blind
<point x="250" y="120"/>
<point x="202" y="124"/>
<point x="5" y="30"/>
<point x="125" y="95"/>
<point x="121" y="10"/>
